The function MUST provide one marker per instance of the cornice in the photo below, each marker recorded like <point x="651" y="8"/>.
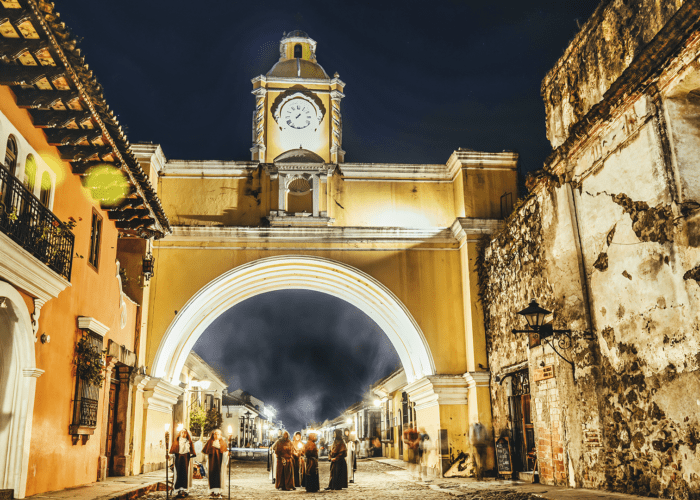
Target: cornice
<point x="309" y="234"/>
<point x="151" y="152"/>
<point x="89" y="323"/>
<point x="207" y="168"/>
<point x="389" y="171"/>
<point x="160" y="395"/>
<point x="438" y="390"/>
<point x="477" y="379"/>
<point x="467" y="159"/>
<point x="463" y="227"/>
<point x="21" y="269"/>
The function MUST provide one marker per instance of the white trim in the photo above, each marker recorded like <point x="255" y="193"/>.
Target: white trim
<point x="89" y="323"/>
<point x="308" y="249"/>
<point x="309" y="234"/>
<point x="294" y="272"/>
<point x="160" y="395"/>
<point x="25" y="271"/>
<point x="438" y="390"/>
<point x="208" y="168"/>
<point x="463" y="227"/>
<point x="477" y="379"/>
<point x="20" y="427"/>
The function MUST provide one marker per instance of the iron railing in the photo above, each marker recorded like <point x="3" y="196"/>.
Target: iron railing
<point x="86" y="395"/>
<point x="33" y="226"/>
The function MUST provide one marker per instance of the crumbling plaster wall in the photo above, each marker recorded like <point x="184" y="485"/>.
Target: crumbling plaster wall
<point x="630" y="421"/>
<point x="605" y="46"/>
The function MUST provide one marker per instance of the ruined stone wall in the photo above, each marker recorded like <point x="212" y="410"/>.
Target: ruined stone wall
<point x="604" y="48"/>
<point x="610" y="241"/>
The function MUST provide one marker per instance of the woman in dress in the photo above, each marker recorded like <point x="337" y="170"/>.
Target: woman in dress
<point x="298" y="460"/>
<point x="182" y="451"/>
<point x="310" y="480"/>
<point x="285" y="468"/>
<point x="339" y="467"/>
<point x="217" y="451"/>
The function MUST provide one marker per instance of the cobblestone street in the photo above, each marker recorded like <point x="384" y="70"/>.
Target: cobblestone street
<point x="373" y="480"/>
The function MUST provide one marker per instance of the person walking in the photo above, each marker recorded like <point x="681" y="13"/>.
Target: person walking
<point x="217" y="451"/>
<point x="298" y="458"/>
<point x="285" y="468"/>
<point x="310" y="480"/>
<point x="182" y="451"/>
<point x="339" y="467"/>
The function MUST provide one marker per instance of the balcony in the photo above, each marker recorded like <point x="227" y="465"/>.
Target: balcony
<point x="34" y="227"/>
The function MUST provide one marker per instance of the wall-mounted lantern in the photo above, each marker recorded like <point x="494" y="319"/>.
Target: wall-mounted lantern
<point x="148" y="266"/>
<point x="539" y="329"/>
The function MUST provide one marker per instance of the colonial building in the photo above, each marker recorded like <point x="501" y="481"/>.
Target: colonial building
<point x="77" y="217"/>
<point x="398" y="241"/>
<point x="249" y="418"/>
<point x="608" y="243"/>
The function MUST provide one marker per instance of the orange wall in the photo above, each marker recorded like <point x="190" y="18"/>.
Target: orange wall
<point x="54" y="462"/>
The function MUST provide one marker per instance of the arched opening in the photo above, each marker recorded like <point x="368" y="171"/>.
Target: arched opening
<point x="45" y="193"/>
<point x="11" y="155"/>
<point x="17" y="384"/>
<point x="294" y="272"/>
<point x="29" y="180"/>
<point x="297" y="51"/>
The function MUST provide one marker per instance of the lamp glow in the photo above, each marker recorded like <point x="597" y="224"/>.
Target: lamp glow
<point x="377" y="402"/>
<point x="204" y="384"/>
<point x="349" y="421"/>
<point x="179" y="428"/>
<point x="167" y="427"/>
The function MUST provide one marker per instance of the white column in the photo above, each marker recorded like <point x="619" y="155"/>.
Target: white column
<point x="316" y="193"/>
<point x="281" y="208"/>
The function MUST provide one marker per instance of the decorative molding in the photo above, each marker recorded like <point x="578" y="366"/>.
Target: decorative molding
<point x="140" y="381"/>
<point x="309" y="234"/>
<point x="89" y="323"/>
<point x="480" y="160"/>
<point x="153" y="153"/>
<point x="121" y="354"/>
<point x="122" y="303"/>
<point x="477" y="379"/>
<point x="160" y="395"/>
<point x="213" y="168"/>
<point x="32" y="372"/>
<point x="394" y="171"/>
<point x="298" y="220"/>
<point x="21" y="269"/>
<point x="38" y="304"/>
<point x="463" y="227"/>
<point x="435" y="390"/>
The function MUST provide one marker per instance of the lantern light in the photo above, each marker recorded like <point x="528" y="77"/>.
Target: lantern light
<point x="204" y="384"/>
<point x="179" y="428"/>
<point x="167" y="427"/>
<point x="230" y="430"/>
<point x="377" y="402"/>
<point x="534" y="315"/>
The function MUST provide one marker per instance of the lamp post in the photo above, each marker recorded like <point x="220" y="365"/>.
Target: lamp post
<point x="247" y="418"/>
<point x="167" y="460"/>
<point x="230" y="438"/>
<point x="538" y="330"/>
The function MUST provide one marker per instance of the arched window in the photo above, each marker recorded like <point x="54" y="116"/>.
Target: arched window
<point x="30" y="173"/>
<point x="45" y="193"/>
<point x="11" y="154"/>
<point x="297" y="50"/>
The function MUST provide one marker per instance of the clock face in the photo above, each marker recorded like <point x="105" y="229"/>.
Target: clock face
<point x="298" y="114"/>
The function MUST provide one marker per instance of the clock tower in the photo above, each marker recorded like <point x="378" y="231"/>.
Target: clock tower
<point x="297" y="105"/>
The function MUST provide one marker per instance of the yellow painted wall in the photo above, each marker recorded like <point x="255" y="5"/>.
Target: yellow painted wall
<point x="483" y="189"/>
<point x="427" y="282"/>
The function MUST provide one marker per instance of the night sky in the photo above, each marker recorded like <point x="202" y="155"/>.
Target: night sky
<point x="423" y="78"/>
<point x="308" y="354"/>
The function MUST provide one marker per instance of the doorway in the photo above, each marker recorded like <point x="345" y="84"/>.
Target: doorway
<point x="112" y="426"/>
<point x="523" y="441"/>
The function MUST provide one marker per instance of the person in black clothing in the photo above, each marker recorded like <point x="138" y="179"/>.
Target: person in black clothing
<point x="339" y="466"/>
<point x="310" y="480"/>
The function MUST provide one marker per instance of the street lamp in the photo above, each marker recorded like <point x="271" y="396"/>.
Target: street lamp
<point x="167" y="460"/>
<point x="230" y="438"/>
<point x="535" y="317"/>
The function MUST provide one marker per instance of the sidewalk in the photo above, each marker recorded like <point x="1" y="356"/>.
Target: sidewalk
<point x="460" y="486"/>
<point x="114" y="488"/>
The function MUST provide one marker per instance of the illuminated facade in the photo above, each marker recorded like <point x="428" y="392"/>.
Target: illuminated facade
<point x="398" y="241"/>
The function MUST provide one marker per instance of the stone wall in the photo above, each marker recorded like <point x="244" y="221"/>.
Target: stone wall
<point x="608" y="241"/>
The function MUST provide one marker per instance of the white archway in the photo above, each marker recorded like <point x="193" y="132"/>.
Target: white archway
<point x="286" y="273"/>
<point x="18" y="374"/>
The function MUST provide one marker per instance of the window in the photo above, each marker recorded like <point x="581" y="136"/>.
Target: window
<point x="86" y="398"/>
<point x="297" y="50"/>
<point x="11" y="155"/>
<point x="45" y="193"/>
<point x="29" y="180"/>
<point x="95" y="236"/>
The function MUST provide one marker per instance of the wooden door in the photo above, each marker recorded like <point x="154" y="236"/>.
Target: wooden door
<point x="523" y="441"/>
<point x="111" y="424"/>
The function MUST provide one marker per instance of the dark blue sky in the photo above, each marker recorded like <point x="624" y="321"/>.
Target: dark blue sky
<point x="308" y="354"/>
<point x="423" y="78"/>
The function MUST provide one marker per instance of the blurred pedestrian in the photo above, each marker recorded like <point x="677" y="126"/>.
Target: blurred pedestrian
<point x="339" y="468"/>
<point x="310" y="480"/>
<point x="375" y="449"/>
<point x="411" y="439"/>
<point x="285" y="466"/>
<point x="298" y="458"/>
<point x="216" y="450"/>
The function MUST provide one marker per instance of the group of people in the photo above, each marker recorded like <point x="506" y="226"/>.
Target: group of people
<point x="293" y="464"/>
<point x="183" y="451"/>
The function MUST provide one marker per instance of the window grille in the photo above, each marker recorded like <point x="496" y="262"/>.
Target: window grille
<point x="95" y="237"/>
<point x="86" y="397"/>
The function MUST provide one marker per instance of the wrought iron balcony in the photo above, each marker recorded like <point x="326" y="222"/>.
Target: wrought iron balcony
<point x="33" y="226"/>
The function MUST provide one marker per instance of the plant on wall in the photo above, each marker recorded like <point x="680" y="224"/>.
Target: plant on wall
<point x="89" y="362"/>
<point x="198" y="418"/>
<point x="213" y="421"/>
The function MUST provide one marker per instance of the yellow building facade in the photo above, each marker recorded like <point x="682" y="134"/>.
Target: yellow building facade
<point x="398" y="241"/>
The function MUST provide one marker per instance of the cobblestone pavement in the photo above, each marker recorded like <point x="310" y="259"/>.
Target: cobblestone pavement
<point x="373" y="480"/>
